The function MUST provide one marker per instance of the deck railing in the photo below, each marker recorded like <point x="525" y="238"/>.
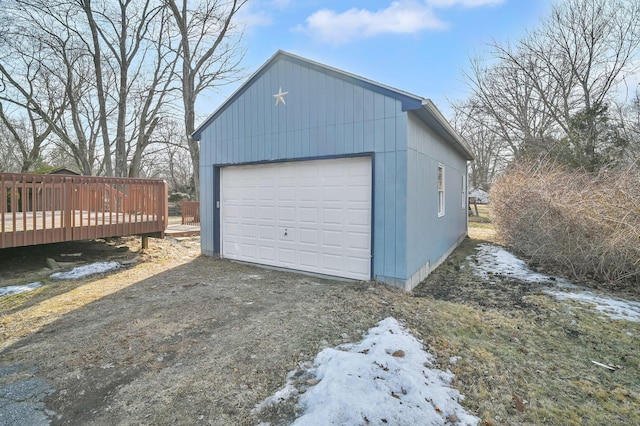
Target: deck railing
<point x="191" y="213"/>
<point x="42" y="209"/>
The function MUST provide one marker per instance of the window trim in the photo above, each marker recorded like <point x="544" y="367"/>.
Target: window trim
<point x="463" y="196"/>
<point x="440" y="183"/>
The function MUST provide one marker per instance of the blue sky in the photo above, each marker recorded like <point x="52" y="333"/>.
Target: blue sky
<point x="419" y="46"/>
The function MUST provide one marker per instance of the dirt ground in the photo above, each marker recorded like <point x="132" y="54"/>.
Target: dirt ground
<point x="175" y="338"/>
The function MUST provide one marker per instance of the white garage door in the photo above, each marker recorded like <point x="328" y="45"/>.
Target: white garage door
<point x="313" y="216"/>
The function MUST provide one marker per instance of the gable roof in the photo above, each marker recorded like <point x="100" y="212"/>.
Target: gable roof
<point x="424" y="108"/>
<point x="63" y="171"/>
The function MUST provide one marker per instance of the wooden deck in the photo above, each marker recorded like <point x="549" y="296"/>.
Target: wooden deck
<point x="179" y="230"/>
<point x="191" y="213"/>
<point x="43" y="209"/>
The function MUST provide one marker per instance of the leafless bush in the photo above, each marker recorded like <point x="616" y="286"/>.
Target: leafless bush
<point x="586" y="224"/>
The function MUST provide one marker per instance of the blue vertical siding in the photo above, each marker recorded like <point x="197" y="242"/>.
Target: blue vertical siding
<point x="400" y="196"/>
<point x="434" y="235"/>
<point x="379" y="242"/>
<point x="389" y="209"/>
<point x="328" y="116"/>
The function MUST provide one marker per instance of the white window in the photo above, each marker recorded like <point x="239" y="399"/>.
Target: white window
<point x="464" y="193"/>
<point x="440" y="190"/>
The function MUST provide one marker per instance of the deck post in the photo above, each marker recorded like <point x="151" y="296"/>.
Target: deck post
<point x="145" y="242"/>
<point x="67" y="205"/>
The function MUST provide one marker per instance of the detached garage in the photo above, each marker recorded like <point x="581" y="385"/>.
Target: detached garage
<point x="314" y="169"/>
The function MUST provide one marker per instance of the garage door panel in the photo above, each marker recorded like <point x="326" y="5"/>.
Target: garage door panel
<point x="308" y="193"/>
<point x="332" y="262"/>
<point x="267" y="194"/>
<point x="332" y="238"/>
<point x="332" y="216"/>
<point x="249" y="231"/>
<point x="267" y="232"/>
<point x="247" y="213"/>
<point x="267" y="253"/>
<point x="287" y="214"/>
<point x="332" y="193"/>
<point x="308" y="236"/>
<point x="233" y="229"/>
<point x="309" y="259"/>
<point x="266" y="212"/>
<point x="359" y="240"/>
<point x="248" y="251"/>
<point x="286" y="193"/>
<point x="287" y="256"/>
<point x="358" y="194"/>
<point x="359" y="217"/>
<point x="232" y="250"/>
<point x="308" y="215"/>
<point x="356" y="264"/>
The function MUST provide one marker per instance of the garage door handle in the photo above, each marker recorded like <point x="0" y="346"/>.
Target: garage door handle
<point x="285" y="232"/>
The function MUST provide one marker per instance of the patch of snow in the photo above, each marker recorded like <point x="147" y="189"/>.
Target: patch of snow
<point x="16" y="289"/>
<point x="86" y="270"/>
<point x="387" y="378"/>
<point x="287" y="392"/>
<point x="614" y="308"/>
<point x="494" y="260"/>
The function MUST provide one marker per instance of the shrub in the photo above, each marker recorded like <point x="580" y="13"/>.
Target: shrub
<point x="178" y="196"/>
<point x="585" y="224"/>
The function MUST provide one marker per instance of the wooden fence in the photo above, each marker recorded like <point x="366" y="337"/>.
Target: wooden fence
<point x="42" y="209"/>
<point x="191" y="213"/>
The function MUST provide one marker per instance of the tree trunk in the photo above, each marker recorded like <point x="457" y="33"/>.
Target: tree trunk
<point x="194" y="145"/>
<point x="97" y="62"/>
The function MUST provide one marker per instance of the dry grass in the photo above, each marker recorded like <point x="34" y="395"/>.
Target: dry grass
<point x="543" y="356"/>
<point x="518" y="345"/>
<point x="480" y="227"/>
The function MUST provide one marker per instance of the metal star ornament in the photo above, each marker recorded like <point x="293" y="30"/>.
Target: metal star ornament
<point x="280" y="96"/>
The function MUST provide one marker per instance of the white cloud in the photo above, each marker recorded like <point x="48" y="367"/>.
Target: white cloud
<point x="253" y="18"/>
<point x="260" y="13"/>
<point x="401" y="17"/>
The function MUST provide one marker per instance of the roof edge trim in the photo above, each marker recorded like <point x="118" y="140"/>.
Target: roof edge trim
<point x="449" y="131"/>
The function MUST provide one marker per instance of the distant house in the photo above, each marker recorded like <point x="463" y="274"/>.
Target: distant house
<point x="481" y="196"/>
<point x="63" y="171"/>
<point x="311" y="168"/>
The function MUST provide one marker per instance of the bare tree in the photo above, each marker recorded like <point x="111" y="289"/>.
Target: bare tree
<point x="629" y="119"/>
<point x="9" y="158"/>
<point x="550" y="91"/>
<point x="111" y="64"/>
<point x="491" y="152"/>
<point x="151" y="99"/>
<point x="210" y="53"/>
<point x="179" y="171"/>
<point x="98" y="77"/>
<point x="506" y="98"/>
<point x="123" y="31"/>
<point x="28" y="90"/>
